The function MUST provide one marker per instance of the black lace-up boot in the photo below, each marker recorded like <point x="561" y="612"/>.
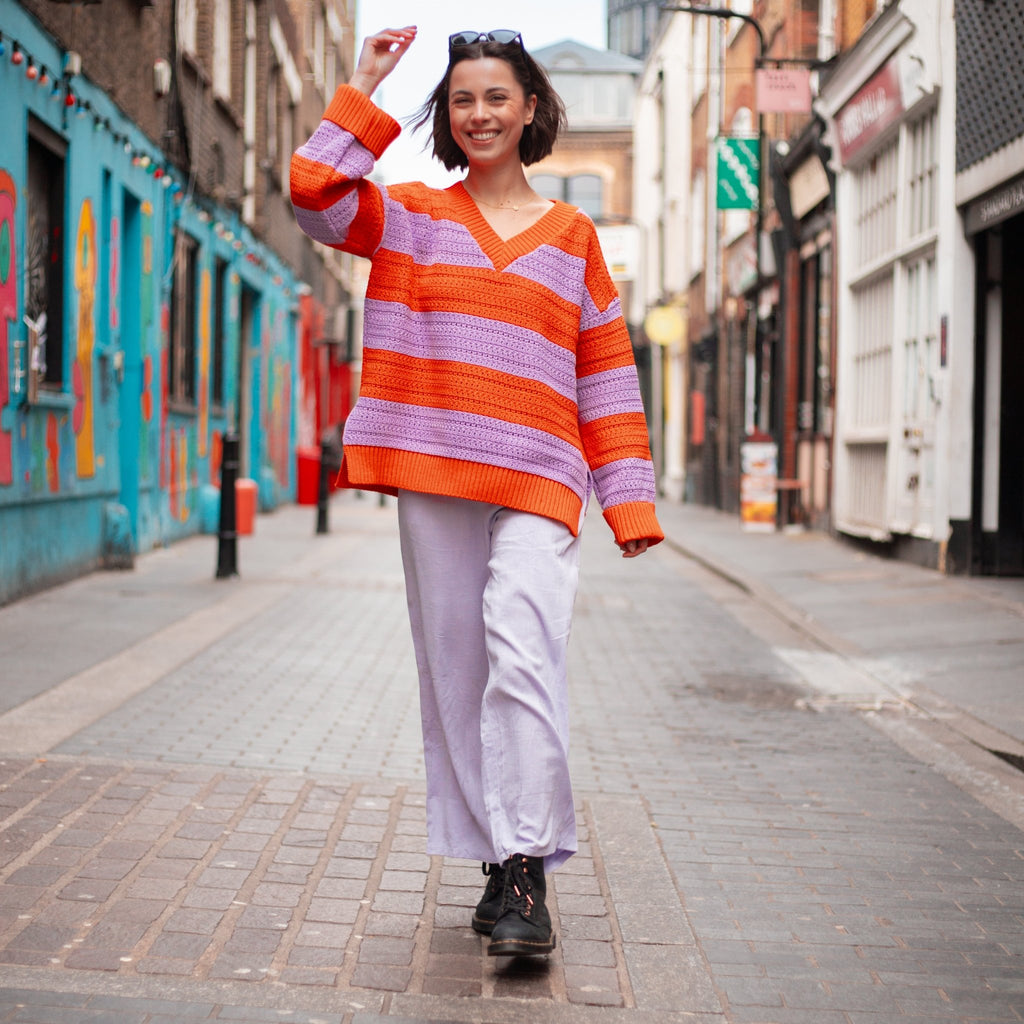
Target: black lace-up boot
<point x="524" y="926"/>
<point x="489" y="908"/>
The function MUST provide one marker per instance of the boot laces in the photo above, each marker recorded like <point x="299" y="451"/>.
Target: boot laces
<point x="495" y="879"/>
<point x="519" y="889"/>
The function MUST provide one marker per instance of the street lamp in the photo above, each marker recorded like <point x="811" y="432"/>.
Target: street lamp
<point x="725" y="13"/>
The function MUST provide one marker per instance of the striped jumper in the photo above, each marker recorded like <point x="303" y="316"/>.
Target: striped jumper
<point x="496" y="371"/>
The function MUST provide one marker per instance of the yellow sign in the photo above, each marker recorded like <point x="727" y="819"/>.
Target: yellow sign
<point x="665" y="325"/>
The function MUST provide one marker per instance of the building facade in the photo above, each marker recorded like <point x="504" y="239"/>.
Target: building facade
<point x="155" y="294"/>
<point x="903" y="314"/>
<point x="987" y="501"/>
<point x="870" y="334"/>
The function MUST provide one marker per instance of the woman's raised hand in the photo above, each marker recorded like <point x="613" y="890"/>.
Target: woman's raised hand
<point x="379" y="55"/>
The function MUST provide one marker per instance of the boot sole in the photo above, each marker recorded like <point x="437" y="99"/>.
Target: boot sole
<point x="482" y="926"/>
<point x="520" y="947"/>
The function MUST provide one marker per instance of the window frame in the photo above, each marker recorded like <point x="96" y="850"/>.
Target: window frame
<point x="51" y="147"/>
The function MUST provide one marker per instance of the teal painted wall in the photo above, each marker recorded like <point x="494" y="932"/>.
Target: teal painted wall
<point x="109" y="435"/>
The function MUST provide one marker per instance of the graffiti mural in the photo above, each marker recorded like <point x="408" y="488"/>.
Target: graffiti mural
<point x="8" y="315"/>
<point x="85" y="283"/>
<point x="204" y="359"/>
<point x="148" y="347"/>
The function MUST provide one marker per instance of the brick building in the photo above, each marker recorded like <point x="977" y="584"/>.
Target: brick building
<point x="156" y="294"/>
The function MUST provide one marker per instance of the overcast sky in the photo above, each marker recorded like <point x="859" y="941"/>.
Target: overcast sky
<point x="540" y="21"/>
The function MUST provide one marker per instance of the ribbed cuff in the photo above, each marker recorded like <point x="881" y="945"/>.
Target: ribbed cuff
<point x="635" y="520"/>
<point x="357" y="113"/>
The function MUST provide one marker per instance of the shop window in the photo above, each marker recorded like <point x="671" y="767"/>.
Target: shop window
<point x="181" y="368"/>
<point x="45" y="241"/>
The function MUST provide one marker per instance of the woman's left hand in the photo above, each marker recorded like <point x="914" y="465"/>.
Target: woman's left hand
<point x="632" y="548"/>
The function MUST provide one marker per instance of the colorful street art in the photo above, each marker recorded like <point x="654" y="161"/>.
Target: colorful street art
<point x="8" y="315"/>
<point x="205" y="324"/>
<point x="85" y="282"/>
<point x="148" y="347"/>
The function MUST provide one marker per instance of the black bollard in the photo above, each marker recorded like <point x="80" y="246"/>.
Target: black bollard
<point x="227" y="535"/>
<point x="322" y="494"/>
<point x="330" y="463"/>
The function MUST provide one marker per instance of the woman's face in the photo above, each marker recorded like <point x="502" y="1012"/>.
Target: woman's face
<point x="488" y="110"/>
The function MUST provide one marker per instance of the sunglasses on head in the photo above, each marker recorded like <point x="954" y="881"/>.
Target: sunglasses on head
<point x="505" y="36"/>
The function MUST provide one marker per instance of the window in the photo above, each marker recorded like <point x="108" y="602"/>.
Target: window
<point x="45" y="259"/>
<point x="583" y="190"/>
<point x="315" y="41"/>
<point x="876" y="187"/>
<point x="922" y="170"/>
<point x="187" y="24"/>
<point x="287" y="141"/>
<point x="220" y="278"/>
<point x="181" y="368"/>
<point x="222" y="48"/>
<point x="274" y="85"/>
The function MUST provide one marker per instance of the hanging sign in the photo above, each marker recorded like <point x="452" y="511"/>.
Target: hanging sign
<point x="783" y="90"/>
<point x="738" y="166"/>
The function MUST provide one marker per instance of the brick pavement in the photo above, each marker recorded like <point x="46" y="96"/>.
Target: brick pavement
<point x="243" y="839"/>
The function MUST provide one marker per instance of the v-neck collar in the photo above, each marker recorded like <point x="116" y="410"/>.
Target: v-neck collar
<point x="502" y="252"/>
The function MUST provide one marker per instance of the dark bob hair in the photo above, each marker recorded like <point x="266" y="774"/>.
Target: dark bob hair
<point x="538" y="136"/>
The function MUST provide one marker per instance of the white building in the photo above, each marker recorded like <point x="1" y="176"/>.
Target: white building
<point x="661" y="210"/>
<point x="904" y="304"/>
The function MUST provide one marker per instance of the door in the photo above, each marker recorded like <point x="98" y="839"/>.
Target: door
<point x="914" y="498"/>
<point x="131" y="395"/>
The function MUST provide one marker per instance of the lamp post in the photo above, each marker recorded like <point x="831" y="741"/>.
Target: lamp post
<point x="725" y="13"/>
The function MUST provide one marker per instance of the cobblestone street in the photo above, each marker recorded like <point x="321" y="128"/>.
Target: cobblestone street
<point x="220" y="816"/>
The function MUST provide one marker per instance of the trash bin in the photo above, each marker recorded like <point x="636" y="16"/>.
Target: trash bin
<point x="308" y="475"/>
<point x="245" y="506"/>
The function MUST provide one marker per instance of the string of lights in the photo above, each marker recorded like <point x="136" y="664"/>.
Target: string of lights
<point x="61" y="90"/>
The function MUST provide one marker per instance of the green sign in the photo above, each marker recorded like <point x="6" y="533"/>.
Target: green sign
<point x="737" y="174"/>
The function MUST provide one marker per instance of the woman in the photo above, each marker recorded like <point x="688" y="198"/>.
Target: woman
<point x="498" y="387"/>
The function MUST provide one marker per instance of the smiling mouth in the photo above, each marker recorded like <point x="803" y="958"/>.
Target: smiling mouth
<point x="483" y="136"/>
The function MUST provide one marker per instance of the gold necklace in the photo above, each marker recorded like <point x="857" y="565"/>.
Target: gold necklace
<point x="514" y="207"/>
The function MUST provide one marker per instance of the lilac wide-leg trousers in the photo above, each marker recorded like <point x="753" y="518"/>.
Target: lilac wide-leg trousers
<point x="490" y="593"/>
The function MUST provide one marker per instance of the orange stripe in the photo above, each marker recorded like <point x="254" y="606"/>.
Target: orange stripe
<point x="476" y="291"/>
<point x="463" y="387"/>
<point x="603" y="348"/>
<point x="389" y="470"/>
<point x="622" y="436"/>
<point x="316" y="186"/>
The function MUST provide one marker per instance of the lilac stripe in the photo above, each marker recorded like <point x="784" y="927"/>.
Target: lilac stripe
<point x="461" y="337"/>
<point x="339" y="149"/>
<point x="329" y="226"/>
<point x="623" y="481"/>
<point x="609" y="393"/>
<point x="427" y="240"/>
<point x="467" y="436"/>
<point x="554" y="269"/>
<point x="593" y="317"/>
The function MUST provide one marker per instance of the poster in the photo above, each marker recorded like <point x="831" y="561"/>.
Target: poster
<point x="758" y="494"/>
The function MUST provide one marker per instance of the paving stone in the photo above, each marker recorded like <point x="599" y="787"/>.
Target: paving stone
<point x="381" y="976"/>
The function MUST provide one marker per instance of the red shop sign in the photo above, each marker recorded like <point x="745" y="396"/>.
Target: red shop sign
<point x="872" y="109"/>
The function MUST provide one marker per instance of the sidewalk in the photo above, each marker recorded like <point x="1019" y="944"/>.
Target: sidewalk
<point x="212" y="797"/>
<point x="941" y="642"/>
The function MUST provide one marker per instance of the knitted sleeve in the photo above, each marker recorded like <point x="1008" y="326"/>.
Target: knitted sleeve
<point x="612" y="421"/>
<point x="333" y="201"/>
